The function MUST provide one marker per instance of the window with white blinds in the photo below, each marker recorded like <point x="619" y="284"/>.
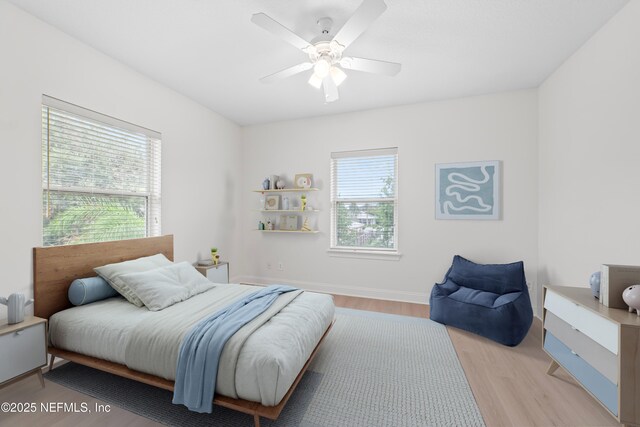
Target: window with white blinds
<point x="100" y="177"/>
<point x="364" y="200"/>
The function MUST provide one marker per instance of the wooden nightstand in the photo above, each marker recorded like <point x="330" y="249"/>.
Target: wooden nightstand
<point x="23" y="350"/>
<point x="215" y="273"/>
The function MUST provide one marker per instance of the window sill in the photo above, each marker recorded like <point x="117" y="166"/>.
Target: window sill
<point x="364" y="254"/>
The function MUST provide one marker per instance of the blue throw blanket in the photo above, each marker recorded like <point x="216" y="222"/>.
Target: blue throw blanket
<point x="202" y="346"/>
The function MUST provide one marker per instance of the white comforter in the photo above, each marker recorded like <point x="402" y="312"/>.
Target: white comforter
<point x="259" y="363"/>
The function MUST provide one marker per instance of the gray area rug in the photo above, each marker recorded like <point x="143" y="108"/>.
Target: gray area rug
<point x="372" y="370"/>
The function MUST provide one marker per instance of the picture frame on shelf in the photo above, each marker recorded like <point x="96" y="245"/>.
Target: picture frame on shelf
<point x="289" y="222"/>
<point x="303" y="180"/>
<point x="272" y="202"/>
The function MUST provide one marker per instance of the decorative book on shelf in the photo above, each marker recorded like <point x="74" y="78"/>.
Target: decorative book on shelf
<point x="614" y="280"/>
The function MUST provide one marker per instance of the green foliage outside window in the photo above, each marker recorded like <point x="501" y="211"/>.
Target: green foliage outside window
<point x="93" y="218"/>
<point x="367" y="224"/>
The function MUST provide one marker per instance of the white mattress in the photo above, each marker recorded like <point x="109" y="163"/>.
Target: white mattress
<point x="267" y="363"/>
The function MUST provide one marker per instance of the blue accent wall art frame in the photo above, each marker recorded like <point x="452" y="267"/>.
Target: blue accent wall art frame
<point x="468" y="190"/>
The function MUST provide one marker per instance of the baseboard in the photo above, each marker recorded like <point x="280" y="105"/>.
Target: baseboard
<point x="352" y="291"/>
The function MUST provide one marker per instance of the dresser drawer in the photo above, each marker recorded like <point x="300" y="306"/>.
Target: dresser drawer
<point x="593" y="353"/>
<point x="599" y="329"/>
<point x="22" y="351"/>
<point x="603" y="389"/>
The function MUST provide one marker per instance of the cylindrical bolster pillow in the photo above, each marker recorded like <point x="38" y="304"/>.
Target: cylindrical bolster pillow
<point x="91" y="289"/>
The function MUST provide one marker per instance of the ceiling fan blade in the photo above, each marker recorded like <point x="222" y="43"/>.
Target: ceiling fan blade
<point x="276" y="28"/>
<point x="287" y="72"/>
<point x="371" y="66"/>
<point x="330" y="89"/>
<point x="364" y="16"/>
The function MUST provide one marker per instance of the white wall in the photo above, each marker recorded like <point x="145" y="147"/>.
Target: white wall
<point x="589" y="113"/>
<point x="570" y="155"/>
<point x="201" y="150"/>
<point x="494" y="127"/>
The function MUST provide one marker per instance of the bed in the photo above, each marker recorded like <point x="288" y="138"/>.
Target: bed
<point x="258" y="380"/>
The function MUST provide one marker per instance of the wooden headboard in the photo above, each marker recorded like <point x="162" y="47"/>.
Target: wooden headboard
<point x="55" y="267"/>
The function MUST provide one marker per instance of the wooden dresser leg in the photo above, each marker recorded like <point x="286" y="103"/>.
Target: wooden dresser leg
<point x="40" y="377"/>
<point x="256" y="420"/>
<point x="552" y="367"/>
<point x="53" y="358"/>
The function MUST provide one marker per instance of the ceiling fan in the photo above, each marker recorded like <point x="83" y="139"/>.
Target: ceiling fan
<point x="325" y="51"/>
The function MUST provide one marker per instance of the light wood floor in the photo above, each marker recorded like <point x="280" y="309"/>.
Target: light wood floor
<point x="509" y="384"/>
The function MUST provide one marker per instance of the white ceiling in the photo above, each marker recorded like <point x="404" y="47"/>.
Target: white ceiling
<point x="211" y="52"/>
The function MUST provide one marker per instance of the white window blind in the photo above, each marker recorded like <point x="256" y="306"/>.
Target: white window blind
<point x="100" y="177"/>
<point x="364" y="200"/>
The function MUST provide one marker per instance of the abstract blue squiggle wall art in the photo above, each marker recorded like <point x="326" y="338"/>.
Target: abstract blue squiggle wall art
<point x="468" y="190"/>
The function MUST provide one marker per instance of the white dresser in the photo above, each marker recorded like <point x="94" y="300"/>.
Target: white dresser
<point x="23" y="350"/>
<point x="599" y="346"/>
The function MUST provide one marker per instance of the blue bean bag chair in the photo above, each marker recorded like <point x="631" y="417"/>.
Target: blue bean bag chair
<point x="491" y="300"/>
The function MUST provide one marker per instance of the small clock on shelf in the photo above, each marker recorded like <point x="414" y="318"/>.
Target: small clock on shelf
<point x="303" y="180"/>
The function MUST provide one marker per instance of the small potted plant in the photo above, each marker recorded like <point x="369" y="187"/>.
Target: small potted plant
<point x="214" y="256"/>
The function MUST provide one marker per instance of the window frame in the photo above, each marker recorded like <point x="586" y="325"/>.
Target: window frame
<point x="152" y="197"/>
<point x="363" y="251"/>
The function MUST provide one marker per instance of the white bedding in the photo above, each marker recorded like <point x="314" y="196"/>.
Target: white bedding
<point x="255" y="365"/>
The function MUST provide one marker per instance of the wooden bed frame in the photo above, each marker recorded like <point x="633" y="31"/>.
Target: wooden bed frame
<point x="55" y="267"/>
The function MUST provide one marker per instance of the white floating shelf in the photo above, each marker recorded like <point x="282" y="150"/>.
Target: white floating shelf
<point x="290" y="190"/>
<point x="290" y="210"/>
<point x="289" y="231"/>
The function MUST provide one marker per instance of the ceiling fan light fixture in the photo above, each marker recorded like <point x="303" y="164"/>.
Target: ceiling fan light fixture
<point x="310" y="50"/>
<point x="325" y="51"/>
<point x="321" y="68"/>
<point x="336" y="47"/>
<point x="315" y="81"/>
<point x="337" y="75"/>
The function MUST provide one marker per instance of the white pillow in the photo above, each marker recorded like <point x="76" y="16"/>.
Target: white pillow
<point x="112" y="273"/>
<point x="165" y="286"/>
